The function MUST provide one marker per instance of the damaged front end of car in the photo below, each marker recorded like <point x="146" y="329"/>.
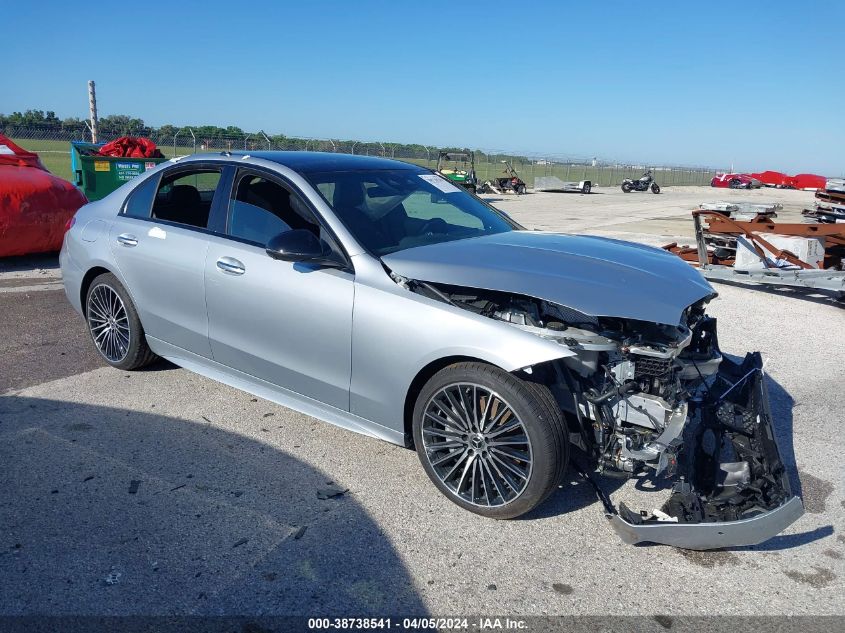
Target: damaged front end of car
<point x="660" y="401"/>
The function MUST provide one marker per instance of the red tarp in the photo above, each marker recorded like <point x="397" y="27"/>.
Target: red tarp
<point x="35" y="205"/>
<point x="809" y="181"/>
<point x="801" y="181"/>
<point x="131" y="147"/>
<point x="773" y="178"/>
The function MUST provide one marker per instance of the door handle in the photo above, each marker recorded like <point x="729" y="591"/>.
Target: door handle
<point x="231" y="265"/>
<point x="127" y="240"/>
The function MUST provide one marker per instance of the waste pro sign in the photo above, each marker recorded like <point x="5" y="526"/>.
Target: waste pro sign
<point x="128" y="171"/>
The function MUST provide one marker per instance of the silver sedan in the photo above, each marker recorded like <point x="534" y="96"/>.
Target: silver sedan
<point x="380" y="297"/>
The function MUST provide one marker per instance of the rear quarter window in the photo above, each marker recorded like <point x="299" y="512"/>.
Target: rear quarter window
<point x="140" y="201"/>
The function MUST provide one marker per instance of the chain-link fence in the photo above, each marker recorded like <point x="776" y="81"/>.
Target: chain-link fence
<point x="53" y="143"/>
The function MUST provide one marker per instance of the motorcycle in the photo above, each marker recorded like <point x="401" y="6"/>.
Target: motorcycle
<point x="641" y="184"/>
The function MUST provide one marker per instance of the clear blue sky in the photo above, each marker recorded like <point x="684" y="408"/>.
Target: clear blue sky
<point x="758" y="85"/>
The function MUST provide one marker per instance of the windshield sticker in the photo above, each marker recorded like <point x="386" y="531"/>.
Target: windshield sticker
<point x="444" y="185"/>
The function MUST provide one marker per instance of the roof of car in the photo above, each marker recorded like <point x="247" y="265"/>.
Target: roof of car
<point x="328" y="161"/>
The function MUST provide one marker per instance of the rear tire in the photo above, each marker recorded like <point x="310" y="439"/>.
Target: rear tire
<point x="114" y="325"/>
<point x="655" y="188"/>
<point x="491" y="443"/>
<point x="586" y="188"/>
<point x="626" y="187"/>
<point x="520" y="190"/>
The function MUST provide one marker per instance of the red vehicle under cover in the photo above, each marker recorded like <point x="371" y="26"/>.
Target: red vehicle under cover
<point x="735" y="181"/>
<point x="35" y="205"/>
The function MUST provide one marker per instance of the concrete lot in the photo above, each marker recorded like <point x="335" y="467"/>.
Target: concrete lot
<point x="161" y="492"/>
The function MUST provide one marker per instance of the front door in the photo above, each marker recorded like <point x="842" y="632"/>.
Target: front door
<point x="287" y="323"/>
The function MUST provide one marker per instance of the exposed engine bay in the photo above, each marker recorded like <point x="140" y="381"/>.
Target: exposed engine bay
<point x="656" y="400"/>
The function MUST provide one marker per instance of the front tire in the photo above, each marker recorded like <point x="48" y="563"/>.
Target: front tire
<point x="586" y="188"/>
<point x="655" y="188"/>
<point x="114" y="325"/>
<point x="626" y="187"/>
<point x="492" y="443"/>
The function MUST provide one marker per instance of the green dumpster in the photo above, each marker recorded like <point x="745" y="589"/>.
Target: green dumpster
<point x="97" y="176"/>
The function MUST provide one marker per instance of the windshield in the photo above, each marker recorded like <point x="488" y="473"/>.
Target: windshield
<point x="391" y="210"/>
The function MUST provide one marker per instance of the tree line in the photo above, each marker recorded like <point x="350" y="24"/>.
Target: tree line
<point x="115" y="125"/>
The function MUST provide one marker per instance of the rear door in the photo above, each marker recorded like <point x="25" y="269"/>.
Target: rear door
<point x="160" y="241"/>
<point x="287" y="323"/>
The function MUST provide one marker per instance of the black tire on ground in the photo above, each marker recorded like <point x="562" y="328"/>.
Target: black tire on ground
<point x="586" y="188"/>
<point x="655" y="188"/>
<point x="626" y="187"/>
<point x="735" y="183"/>
<point x="472" y="189"/>
<point x="520" y="190"/>
<point x="137" y="354"/>
<point x="533" y="406"/>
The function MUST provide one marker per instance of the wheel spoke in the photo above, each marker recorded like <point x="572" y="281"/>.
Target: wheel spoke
<point x="464" y="422"/>
<point x="510" y="467"/>
<point x="440" y="432"/>
<point x="454" y="468"/>
<point x="461" y="481"/>
<point x="510" y="441"/>
<point x="475" y="483"/>
<point x="461" y="408"/>
<point x="510" y="426"/>
<point x="486" y="465"/>
<point x="444" y="458"/>
<point x="509" y="452"/>
<point x="501" y="410"/>
<point x="482" y="422"/>
<point x="447" y="421"/>
<point x="504" y="476"/>
<point x="450" y="444"/>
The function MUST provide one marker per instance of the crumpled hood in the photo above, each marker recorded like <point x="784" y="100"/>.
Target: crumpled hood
<point x="595" y="275"/>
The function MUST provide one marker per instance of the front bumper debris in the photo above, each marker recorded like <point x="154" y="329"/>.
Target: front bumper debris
<point x="733" y="488"/>
<point x="715" y="535"/>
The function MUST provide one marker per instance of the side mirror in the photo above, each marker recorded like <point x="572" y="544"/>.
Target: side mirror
<point x="301" y="245"/>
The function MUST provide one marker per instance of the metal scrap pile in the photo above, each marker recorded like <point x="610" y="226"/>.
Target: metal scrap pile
<point x="830" y="205"/>
<point x="737" y="243"/>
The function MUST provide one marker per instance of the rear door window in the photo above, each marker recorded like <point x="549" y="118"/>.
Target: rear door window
<point x="186" y="197"/>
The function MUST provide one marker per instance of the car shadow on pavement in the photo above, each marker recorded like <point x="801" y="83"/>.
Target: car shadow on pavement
<point x="107" y="511"/>
<point x="574" y="493"/>
<point x="782" y="404"/>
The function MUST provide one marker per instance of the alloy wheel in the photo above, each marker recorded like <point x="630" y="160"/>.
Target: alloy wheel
<point x="476" y="444"/>
<point x="109" y="323"/>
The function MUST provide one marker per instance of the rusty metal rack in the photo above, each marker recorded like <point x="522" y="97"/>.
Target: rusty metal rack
<point x="724" y="234"/>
